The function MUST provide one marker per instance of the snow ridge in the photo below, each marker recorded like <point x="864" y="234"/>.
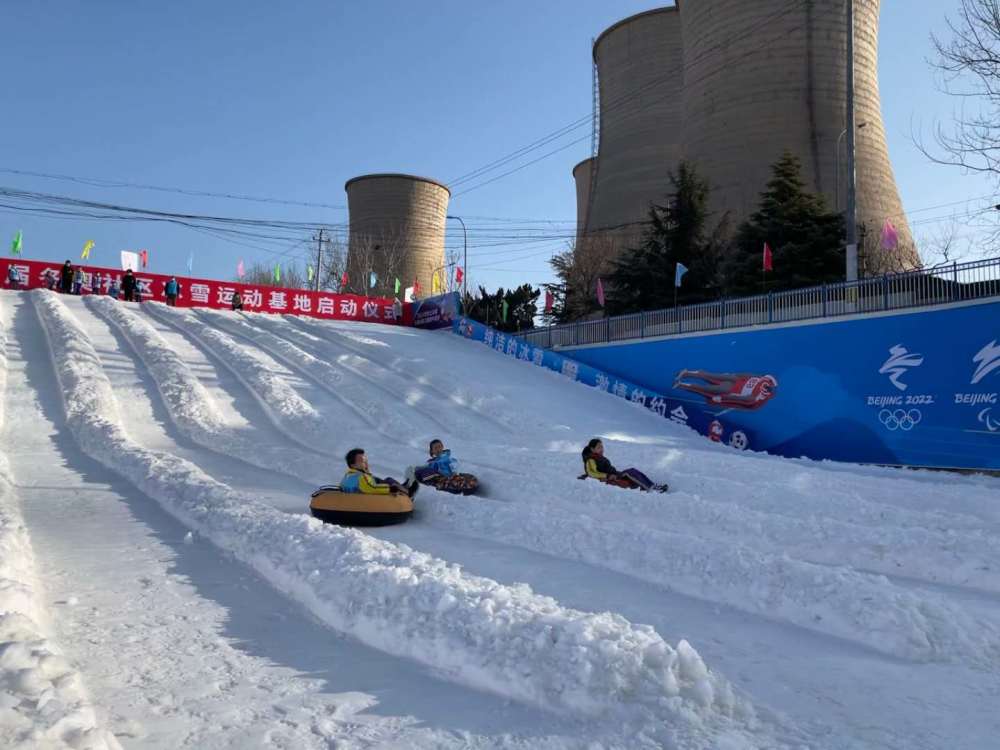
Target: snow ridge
<point x="43" y="702"/>
<point x="190" y="407"/>
<point x="504" y="639"/>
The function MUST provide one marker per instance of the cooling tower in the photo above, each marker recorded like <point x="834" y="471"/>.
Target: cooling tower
<point x="397" y="230"/>
<point x="581" y="176"/>
<point x="764" y="76"/>
<point x="639" y="67"/>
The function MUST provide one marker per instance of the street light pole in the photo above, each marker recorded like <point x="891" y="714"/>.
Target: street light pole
<point x="465" y="259"/>
<point x="851" y="217"/>
<point x="840" y="139"/>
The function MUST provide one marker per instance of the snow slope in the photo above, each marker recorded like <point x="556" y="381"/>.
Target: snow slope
<point x="834" y="606"/>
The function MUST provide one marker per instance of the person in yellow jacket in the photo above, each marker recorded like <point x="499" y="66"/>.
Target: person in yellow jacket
<point x="600" y="468"/>
<point x="360" y="479"/>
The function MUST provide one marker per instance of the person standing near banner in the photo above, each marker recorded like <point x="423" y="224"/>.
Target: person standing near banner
<point x="237" y="301"/>
<point x="171" y="290"/>
<point x="128" y="286"/>
<point x="66" y="278"/>
<point x="13" y="277"/>
<point x="95" y="283"/>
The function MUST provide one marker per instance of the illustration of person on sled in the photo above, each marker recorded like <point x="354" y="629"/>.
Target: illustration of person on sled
<point x="729" y="390"/>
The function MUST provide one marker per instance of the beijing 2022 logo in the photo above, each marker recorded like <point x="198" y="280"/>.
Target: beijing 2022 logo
<point x="900" y="419"/>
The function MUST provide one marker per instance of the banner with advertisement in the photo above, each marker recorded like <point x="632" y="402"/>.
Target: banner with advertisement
<point x="716" y="428"/>
<point x="219" y="294"/>
<point x="436" y="312"/>
<point x="917" y="388"/>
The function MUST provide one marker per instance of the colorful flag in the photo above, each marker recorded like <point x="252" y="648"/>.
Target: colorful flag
<point x="416" y="287"/>
<point x="372" y="280"/>
<point x="343" y="281"/>
<point x="435" y="283"/>
<point x="277" y="273"/>
<point x="144" y="257"/>
<point x="87" y="247"/>
<point x="768" y="258"/>
<point x="890" y="237"/>
<point x="190" y="263"/>
<point x="17" y="244"/>
<point x="310" y="274"/>
<point x="397" y="286"/>
<point x="408" y="294"/>
<point x="679" y="273"/>
<point x="130" y="260"/>
<point x="459" y="273"/>
<point x="505" y="308"/>
<point x="600" y="293"/>
<point x="549" y="301"/>
<point x="240" y="270"/>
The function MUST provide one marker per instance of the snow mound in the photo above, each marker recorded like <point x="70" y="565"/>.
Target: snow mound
<point x="500" y="638"/>
<point x="42" y="700"/>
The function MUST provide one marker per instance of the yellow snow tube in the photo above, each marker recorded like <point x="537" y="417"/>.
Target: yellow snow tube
<point x="332" y="505"/>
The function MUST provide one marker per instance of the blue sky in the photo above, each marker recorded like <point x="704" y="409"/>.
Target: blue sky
<point x="289" y="100"/>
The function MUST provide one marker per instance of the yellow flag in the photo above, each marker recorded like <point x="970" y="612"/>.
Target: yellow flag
<point x="435" y="283"/>
<point x="87" y="246"/>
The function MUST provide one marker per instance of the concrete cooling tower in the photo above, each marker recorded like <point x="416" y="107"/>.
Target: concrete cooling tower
<point x="769" y="75"/>
<point x="397" y="228"/>
<point x="639" y="70"/>
<point x="581" y="176"/>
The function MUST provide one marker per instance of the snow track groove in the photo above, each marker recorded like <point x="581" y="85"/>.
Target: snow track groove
<point x="43" y="701"/>
<point x="504" y="639"/>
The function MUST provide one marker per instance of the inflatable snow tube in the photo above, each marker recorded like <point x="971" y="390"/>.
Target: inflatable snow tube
<point x="456" y="484"/>
<point x="332" y="505"/>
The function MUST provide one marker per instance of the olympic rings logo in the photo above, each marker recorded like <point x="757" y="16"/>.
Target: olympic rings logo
<point x="900" y="419"/>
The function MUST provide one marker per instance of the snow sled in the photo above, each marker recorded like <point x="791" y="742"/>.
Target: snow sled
<point x="332" y="505"/>
<point x="629" y="484"/>
<point x="456" y="484"/>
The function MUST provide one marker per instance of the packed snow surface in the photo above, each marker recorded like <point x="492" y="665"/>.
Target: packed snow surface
<point x="168" y="588"/>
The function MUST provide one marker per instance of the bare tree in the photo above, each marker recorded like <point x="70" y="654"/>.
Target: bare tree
<point x="578" y="269"/>
<point x="381" y="253"/>
<point x="944" y="244"/>
<point x="333" y="263"/>
<point x="261" y="274"/>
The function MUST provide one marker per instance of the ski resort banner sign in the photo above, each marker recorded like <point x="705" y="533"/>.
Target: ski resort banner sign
<point x="219" y="294"/>
<point x="715" y="427"/>
<point x="436" y="312"/>
<point x="917" y="388"/>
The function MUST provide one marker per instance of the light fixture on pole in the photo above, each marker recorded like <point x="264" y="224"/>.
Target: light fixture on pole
<point x="465" y="258"/>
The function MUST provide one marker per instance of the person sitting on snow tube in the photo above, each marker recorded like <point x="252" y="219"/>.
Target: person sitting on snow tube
<point x="600" y="468"/>
<point x="359" y="479"/>
<point x="439" y="472"/>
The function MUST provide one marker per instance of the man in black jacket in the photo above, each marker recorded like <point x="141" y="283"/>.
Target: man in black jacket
<point x="128" y="286"/>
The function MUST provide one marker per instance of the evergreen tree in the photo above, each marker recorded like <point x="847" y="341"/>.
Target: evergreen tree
<point x="521" y="302"/>
<point x="643" y="276"/>
<point x="806" y="240"/>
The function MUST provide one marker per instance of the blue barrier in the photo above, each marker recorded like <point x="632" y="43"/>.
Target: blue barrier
<point x="692" y="415"/>
<point x="917" y="388"/>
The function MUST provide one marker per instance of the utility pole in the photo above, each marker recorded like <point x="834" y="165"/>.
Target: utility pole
<point x="465" y="259"/>
<point x="319" y="256"/>
<point x="851" y="215"/>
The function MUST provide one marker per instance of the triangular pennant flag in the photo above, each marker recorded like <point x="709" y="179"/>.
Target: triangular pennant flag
<point x="435" y="283"/>
<point x="768" y="258"/>
<point x="343" y="281"/>
<point x="505" y="308"/>
<point x="372" y="280"/>
<point x="310" y="274"/>
<point x="277" y="273"/>
<point x="17" y="244"/>
<point x="87" y="247"/>
<point x="190" y="263"/>
<point x="416" y="287"/>
<point x="600" y="293"/>
<point x="549" y="301"/>
<point x="890" y="237"/>
<point x="679" y="273"/>
<point x="397" y="286"/>
<point x="459" y="273"/>
<point x="144" y="257"/>
<point x="240" y="270"/>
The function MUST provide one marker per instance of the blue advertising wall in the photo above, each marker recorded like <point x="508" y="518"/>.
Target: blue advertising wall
<point x="915" y="389"/>
<point x="436" y="312"/>
<point x="677" y="411"/>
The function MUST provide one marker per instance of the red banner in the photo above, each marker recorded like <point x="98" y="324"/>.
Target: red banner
<point x="218" y="294"/>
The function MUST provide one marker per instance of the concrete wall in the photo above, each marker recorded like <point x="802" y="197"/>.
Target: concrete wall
<point x="582" y="173"/>
<point x="769" y="75"/>
<point x="404" y="216"/>
<point x="639" y="62"/>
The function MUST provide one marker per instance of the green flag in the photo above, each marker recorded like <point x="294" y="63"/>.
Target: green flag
<point x="17" y="244"/>
<point x="397" y="286"/>
<point x="277" y="273"/>
<point x="505" y="307"/>
<point x="310" y="273"/>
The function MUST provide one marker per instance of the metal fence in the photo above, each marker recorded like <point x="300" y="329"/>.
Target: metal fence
<point x="934" y="286"/>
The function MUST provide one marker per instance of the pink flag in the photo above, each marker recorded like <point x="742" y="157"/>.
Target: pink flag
<point x="548" y="301"/>
<point x="768" y="258"/>
<point x="239" y="269"/>
<point x="600" y="293"/>
<point x="890" y="237"/>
